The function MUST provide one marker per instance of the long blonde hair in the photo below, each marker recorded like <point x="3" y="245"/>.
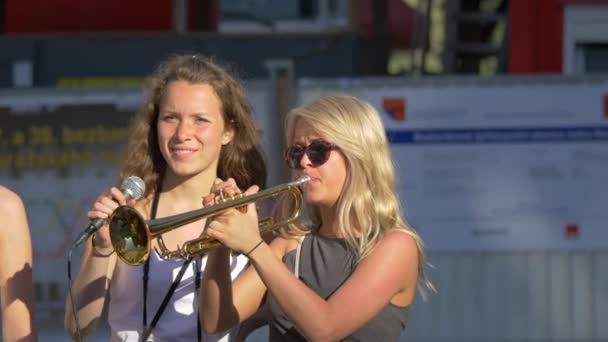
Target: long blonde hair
<point x="368" y="206"/>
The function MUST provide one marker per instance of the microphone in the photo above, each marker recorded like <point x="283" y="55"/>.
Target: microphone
<point x="133" y="188"/>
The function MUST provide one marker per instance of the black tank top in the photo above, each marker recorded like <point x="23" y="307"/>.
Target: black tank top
<point x="324" y="266"/>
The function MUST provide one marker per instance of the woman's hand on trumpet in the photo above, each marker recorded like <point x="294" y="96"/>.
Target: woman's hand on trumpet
<point x="104" y="206"/>
<point x="233" y="228"/>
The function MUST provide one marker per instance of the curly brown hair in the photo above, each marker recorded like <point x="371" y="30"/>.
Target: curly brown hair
<point x="241" y="159"/>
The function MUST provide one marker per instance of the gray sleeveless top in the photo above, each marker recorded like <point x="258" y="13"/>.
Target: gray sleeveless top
<point x="325" y="264"/>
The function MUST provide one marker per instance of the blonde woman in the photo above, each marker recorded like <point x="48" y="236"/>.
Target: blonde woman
<point x="16" y="295"/>
<point x="351" y="274"/>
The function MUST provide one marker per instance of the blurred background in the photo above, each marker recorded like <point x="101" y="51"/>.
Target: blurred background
<point x="497" y="112"/>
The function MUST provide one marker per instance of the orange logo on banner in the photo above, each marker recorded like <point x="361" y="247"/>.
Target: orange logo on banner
<point x="396" y="108"/>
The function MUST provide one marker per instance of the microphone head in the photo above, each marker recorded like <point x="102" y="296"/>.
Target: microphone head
<point x="133" y="187"/>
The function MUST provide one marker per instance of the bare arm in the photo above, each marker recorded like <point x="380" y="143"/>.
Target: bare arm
<point x="260" y="317"/>
<point x="89" y="290"/>
<point x="15" y="270"/>
<point x="216" y="309"/>
<point x="93" y="281"/>
<point x="254" y="322"/>
<point x="224" y="304"/>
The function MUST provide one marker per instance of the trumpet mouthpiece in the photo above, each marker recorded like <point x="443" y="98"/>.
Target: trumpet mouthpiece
<point x="302" y="180"/>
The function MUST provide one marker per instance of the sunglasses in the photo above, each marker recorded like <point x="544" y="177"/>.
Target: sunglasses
<point x="317" y="152"/>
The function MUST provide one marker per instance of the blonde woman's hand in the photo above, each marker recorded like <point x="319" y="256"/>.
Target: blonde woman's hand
<point x="233" y="228"/>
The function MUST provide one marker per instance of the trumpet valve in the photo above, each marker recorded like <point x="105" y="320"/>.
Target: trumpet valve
<point x="223" y="198"/>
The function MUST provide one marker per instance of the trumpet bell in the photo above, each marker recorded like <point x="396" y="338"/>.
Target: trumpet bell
<point x="129" y="235"/>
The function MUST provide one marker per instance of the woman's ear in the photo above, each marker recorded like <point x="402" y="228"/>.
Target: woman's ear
<point x="227" y="136"/>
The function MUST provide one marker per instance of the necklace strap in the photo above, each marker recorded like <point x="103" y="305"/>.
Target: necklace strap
<point x="155" y="201"/>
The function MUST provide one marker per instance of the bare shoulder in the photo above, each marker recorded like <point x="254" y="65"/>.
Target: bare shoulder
<point x="398" y="243"/>
<point x="12" y="212"/>
<point x="10" y="202"/>
<point x="401" y="237"/>
<point x="398" y="252"/>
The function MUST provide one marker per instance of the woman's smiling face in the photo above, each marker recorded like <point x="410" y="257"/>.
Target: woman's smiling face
<point x="191" y="128"/>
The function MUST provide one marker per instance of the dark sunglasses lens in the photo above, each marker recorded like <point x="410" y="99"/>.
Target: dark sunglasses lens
<point x="318" y="153"/>
<point x="294" y="156"/>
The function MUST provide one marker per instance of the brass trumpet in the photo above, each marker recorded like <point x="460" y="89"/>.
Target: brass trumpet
<point x="131" y="235"/>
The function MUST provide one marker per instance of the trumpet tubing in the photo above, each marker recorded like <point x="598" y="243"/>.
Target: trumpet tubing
<point x="131" y="235"/>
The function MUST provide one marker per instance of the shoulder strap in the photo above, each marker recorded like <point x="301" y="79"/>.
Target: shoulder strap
<point x="297" y="261"/>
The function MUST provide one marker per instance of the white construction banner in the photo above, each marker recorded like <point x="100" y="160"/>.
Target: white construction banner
<point x="519" y="164"/>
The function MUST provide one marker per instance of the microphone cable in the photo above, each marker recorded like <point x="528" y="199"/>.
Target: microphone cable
<point x="74" y="313"/>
